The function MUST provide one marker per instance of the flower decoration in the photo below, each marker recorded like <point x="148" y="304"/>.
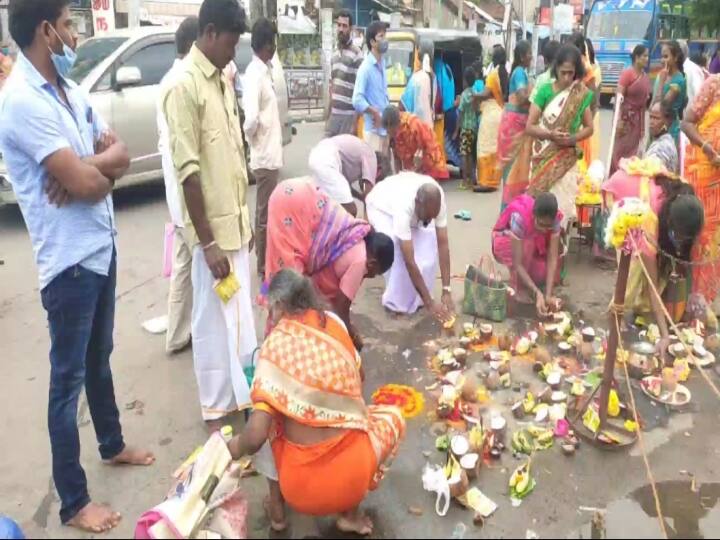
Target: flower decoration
<point x="626" y="222"/>
<point x="406" y="398"/>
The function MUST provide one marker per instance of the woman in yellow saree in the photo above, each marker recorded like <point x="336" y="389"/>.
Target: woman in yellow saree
<point x="492" y="101"/>
<point x="702" y="171"/>
<point x="330" y="448"/>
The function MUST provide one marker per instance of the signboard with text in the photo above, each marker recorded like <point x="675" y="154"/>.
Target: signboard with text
<point x="103" y="14"/>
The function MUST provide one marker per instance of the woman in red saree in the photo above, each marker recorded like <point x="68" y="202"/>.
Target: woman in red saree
<point x="634" y="85"/>
<point x="330" y="448"/>
<point x="702" y="171"/>
<point x="414" y="144"/>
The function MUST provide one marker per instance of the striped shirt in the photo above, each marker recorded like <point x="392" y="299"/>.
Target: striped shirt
<point x="345" y="64"/>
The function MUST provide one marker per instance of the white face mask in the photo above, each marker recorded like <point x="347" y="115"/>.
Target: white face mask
<point x="426" y="65"/>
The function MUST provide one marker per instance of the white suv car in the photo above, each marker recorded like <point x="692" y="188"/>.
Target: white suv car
<point x="126" y="98"/>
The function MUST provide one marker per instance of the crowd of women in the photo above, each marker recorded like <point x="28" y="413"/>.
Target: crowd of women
<point x="544" y="133"/>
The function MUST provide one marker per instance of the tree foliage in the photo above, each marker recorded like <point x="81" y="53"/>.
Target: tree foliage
<point x="705" y="15"/>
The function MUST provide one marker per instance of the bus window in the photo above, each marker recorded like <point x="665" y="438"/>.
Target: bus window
<point x="633" y="24"/>
<point x="399" y="62"/>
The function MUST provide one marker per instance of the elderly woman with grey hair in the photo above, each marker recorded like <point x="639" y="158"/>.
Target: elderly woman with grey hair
<point x="421" y="93"/>
<point x="330" y="448"/>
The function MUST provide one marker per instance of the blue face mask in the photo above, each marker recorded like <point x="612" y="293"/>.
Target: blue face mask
<point x="63" y="62"/>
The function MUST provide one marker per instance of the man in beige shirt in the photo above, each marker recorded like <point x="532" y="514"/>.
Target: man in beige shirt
<point x="207" y="153"/>
<point x="262" y="127"/>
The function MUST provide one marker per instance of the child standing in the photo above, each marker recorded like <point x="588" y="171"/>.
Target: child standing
<point x="467" y="127"/>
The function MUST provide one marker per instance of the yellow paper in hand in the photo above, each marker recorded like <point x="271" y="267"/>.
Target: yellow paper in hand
<point x="226" y="288"/>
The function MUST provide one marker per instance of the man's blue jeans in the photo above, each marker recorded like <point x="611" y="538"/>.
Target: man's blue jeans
<point x="81" y="311"/>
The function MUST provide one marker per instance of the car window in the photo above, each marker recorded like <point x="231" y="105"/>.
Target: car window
<point x="153" y="61"/>
<point x="91" y="53"/>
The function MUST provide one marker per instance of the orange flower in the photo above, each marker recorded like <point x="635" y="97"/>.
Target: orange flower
<point x="406" y="398"/>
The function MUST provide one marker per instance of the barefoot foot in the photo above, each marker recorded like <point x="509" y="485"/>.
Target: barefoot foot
<point x="132" y="456"/>
<point x="276" y="513"/>
<point x="355" y="522"/>
<point x="95" y="518"/>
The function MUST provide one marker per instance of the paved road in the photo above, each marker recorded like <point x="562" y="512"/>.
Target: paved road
<point x="168" y="419"/>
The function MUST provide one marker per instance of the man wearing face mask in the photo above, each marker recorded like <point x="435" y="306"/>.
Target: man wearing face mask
<point x="345" y="63"/>
<point x="411" y="209"/>
<point x="63" y="163"/>
<point x="370" y="96"/>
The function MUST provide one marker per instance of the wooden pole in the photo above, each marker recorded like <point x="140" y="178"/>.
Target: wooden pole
<point x="615" y="321"/>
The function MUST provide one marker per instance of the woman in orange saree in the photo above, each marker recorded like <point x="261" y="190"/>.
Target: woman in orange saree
<point x="330" y="448"/>
<point x="702" y="171"/>
<point x="590" y="147"/>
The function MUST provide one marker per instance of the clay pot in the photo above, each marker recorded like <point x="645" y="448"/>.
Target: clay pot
<point x="465" y="342"/>
<point x="459" y="445"/>
<point x="504" y="368"/>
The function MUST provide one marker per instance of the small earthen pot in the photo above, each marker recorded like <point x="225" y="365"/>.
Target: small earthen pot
<point x="470" y="464"/>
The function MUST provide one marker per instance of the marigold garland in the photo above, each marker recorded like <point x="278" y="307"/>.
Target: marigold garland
<point x="406" y="398"/>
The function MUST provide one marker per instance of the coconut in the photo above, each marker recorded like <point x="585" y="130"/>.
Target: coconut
<point x="518" y="410"/>
<point x="470" y="388"/>
<point x="460" y="355"/>
<point x="588" y="333"/>
<point x="554" y="379"/>
<point x="459" y="486"/>
<point x="492" y="381"/>
<point x="465" y="342"/>
<point x="504" y="342"/>
<point x="486" y="331"/>
<point x="504" y="368"/>
<point x="459" y="445"/>
<point x="470" y="463"/>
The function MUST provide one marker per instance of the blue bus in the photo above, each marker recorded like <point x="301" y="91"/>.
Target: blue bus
<point x="615" y="27"/>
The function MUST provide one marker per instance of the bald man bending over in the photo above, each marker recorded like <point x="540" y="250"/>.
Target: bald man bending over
<point x="410" y="208"/>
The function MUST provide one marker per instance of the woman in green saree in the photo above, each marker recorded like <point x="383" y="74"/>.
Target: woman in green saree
<point x="560" y="118"/>
<point x="671" y="85"/>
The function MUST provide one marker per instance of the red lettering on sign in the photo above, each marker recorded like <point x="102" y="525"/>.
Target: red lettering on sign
<point x="101" y="24"/>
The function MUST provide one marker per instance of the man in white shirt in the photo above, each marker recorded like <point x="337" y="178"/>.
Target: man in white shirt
<point x="411" y="209"/>
<point x="262" y="128"/>
<point x="180" y="292"/>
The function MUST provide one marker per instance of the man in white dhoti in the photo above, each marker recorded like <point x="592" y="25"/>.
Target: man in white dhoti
<point x="411" y="209"/>
<point x="206" y="145"/>
<point x="180" y="290"/>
